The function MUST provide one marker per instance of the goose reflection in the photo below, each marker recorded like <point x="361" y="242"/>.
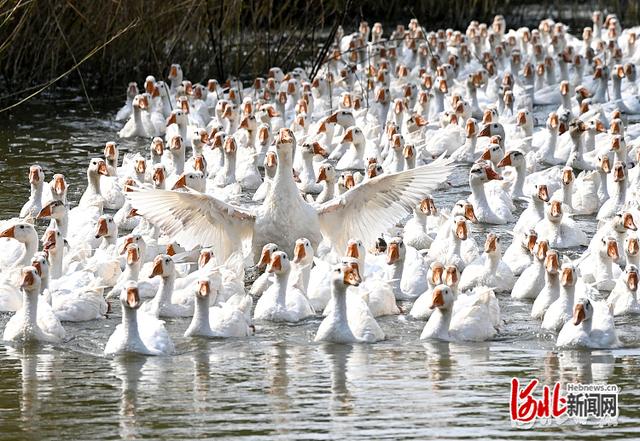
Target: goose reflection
<point x="201" y="374"/>
<point x="128" y="368"/>
<point x="338" y="356"/>
<point x="279" y="376"/>
<point x="439" y="363"/>
<point x="581" y="366"/>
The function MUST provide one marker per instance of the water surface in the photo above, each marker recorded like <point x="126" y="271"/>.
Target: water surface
<point x="278" y="384"/>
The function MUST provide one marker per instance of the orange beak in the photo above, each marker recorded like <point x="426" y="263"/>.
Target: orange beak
<point x="128" y="240"/>
<point x="157" y="267"/>
<point x="133" y="297"/>
<point x="271" y="159"/>
<point x="59" y="185"/>
<point x="352" y="250"/>
<point x="578" y="314"/>
<point x="27" y="279"/>
<point x="532" y="242"/>
<point x="612" y="250"/>
<point x="171" y="119"/>
<point x="317" y="150"/>
<point x="632" y="281"/>
<point x="470" y="213"/>
<point x="551" y="261"/>
<point x="461" y="230"/>
<point x="543" y="193"/>
<point x="492" y="175"/>
<point x="141" y="166"/>
<point x="556" y="208"/>
<point x="204" y="289"/>
<point x="490" y="244"/>
<point x="132" y="255"/>
<point x="451" y="276"/>
<point x="46" y="211"/>
<point x="180" y="183"/>
<point x="102" y="229"/>
<point x="204" y="258"/>
<point x="349" y="182"/>
<point x="299" y="252"/>
<point x="629" y="224"/>
<point x="275" y="264"/>
<point x="393" y="253"/>
<point x="102" y="169"/>
<point x="348" y="136"/>
<point x="567" y="277"/>
<point x="504" y="161"/>
<point x="322" y="175"/>
<point x="436" y="275"/>
<point x="437" y="299"/>
<point x="351" y="275"/>
<point x="633" y="247"/>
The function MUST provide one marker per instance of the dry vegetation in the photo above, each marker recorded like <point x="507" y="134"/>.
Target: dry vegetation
<point x="115" y="41"/>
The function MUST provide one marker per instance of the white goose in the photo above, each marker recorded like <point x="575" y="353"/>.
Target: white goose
<point x="623" y="299"/>
<point x="146" y="336"/>
<point x="33" y="206"/>
<point x="531" y="281"/>
<point x="342" y="325"/>
<point x="194" y="219"/>
<point x="281" y="302"/>
<point x="589" y="328"/>
<point x="488" y="269"/>
<point x="471" y="319"/>
<point x="24" y="326"/>
<point x="225" y="320"/>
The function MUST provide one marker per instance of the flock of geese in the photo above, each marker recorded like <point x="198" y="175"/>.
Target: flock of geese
<point x="328" y="185"/>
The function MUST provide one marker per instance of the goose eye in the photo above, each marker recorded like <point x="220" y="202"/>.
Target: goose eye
<point x="22" y="227"/>
<point x="166" y="260"/>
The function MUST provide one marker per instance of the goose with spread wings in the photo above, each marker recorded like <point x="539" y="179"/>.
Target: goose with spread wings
<point x="196" y="219"/>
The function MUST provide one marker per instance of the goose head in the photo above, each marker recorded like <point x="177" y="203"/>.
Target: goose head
<point x="603" y="163"/>
<point x="343" y="118"/>
<point x="54" y="209"/>
<point x="631" y="277"/>
<point x="175" y="73"/>
<point x="178" y="117"/>
<point x="567" y="176"/>
<point x="554" y="211"/>
<point x="346" y="182"/>
<point x="176" y="145"/>
<point x="279" y="263"/>
<point x="619" y="172"/>
<point x="435" y="273"/>
<point x="205" y="288"/>
<point x="97" y="167"/>
<point x="206" y="255"/>
<point x="30" y="281"/>
<point x="624" y="221"/>
<point x="353" y="135"/>
<point x="22" y="232"/>
<point x="464" y="208"/>
<point x="442" y="297"/>
<point x="106" y="227"/>
<point x="568" y="275"/>
<point x="346" y="274"/>
<point x="471" y="128"/>
<point x="609" y="248"/>
<point x="513" y="158"/>
<point x="303" y="252"/>
<point x="52" y="240"/>
<point x="136" y="239"/>
<point x="355" y="249"/>
<point x="309" y="149"/>
<point x="285" y="145"/>
<point x="264" y="134"/>
<point x="492" y="129"/>
<point x="163" y="266"/>
<point x="397" y="142"/>
<point x="427" y="206"/>
<point x="156" y="149"/>
<point x="111" y="152"/>
<point x="133" y="254"/>
<point x="132" y="90"/>
<point x="41" y="264"/>
<point x="459" y="227"/>
<point x="200" y="164"/>
<point x="631" y="245"/>
<point x="36" y="175"/>
<point x="582" y="311"/>
<point x="482" y="172"/>
<point x="193" y="180"/>
<point x="159" y="176"/>
<point x="540" y="193"/>
<point x="326" y="173"/>
<point x="249" y="123"/>
<point x="396" y="251"/>
<point x="492" y="245"/>
<point x="130" y="296"/>
<point x="59" y="187"/>
<point x="267" y="253"/>
<point x="540" y="250"/>
<point x="551" y="262"/>
<point x="374" y="169"/>
<point x="139" y="167"/>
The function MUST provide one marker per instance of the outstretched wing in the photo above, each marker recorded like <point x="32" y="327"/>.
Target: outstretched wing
<point x="374" y="206"/>
<point x="195" y="219"/>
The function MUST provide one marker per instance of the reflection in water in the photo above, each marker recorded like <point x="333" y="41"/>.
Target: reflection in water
<point x="438" y="362"/>
<point x="128" y="368"/>
<point x="201" y="374"/>
<point x="337" y="357"/>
